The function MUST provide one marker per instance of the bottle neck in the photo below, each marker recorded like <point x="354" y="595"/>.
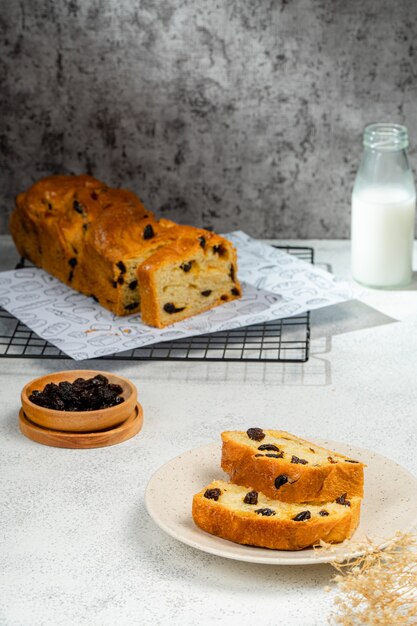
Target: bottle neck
<point x="383" y="168"/>
<point x="386" y="137"/>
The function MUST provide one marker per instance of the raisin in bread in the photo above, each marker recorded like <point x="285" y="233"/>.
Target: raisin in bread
<point x="104" y="243"/>
<point x="246" y="516"/>
<point x="288" y="468"/>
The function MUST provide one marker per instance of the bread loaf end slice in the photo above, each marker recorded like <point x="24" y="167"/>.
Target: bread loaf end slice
<point x="196" y="273"/>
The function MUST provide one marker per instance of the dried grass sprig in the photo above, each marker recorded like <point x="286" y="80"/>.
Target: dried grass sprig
<point x="378" y="588"/>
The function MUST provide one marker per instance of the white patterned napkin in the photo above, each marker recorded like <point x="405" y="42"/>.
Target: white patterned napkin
<point x="275" y="285"/>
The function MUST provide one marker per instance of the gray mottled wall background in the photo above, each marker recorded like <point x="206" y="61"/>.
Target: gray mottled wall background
<point x="225" y="114"/>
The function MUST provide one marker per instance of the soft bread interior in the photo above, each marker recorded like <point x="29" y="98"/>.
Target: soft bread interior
<point x="232" y="496"/>
<point x="290" y="446"/>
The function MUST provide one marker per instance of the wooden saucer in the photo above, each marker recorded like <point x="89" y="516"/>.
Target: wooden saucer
<point x="96" y="439"/>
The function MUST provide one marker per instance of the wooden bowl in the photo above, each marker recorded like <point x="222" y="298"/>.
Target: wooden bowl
<point x="79" y="421"/>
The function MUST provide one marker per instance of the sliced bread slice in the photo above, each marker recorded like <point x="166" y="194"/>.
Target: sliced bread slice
<point x="246" y="516"/>
<point x="288" y="468"/>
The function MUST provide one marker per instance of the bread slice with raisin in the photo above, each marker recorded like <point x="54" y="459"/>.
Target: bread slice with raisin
<point x="288" y="468"/>
<point x="246" y="516"/>
<point x="195" y="273"/>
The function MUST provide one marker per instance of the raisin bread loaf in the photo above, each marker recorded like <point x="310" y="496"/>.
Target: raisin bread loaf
<point x="287" y="468"/>
<point x="246" y="516"/>
<point x="104" y="243"/>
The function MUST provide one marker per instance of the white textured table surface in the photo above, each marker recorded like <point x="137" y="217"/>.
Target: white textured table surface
<point x="77" y="546"/>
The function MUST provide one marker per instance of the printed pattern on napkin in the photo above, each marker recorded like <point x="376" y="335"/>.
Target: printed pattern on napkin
<point x="274" y="285"/>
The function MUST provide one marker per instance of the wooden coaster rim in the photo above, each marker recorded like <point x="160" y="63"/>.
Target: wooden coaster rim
<point x="95" y="439"/>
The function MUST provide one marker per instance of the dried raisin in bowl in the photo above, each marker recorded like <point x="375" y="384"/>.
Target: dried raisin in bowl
<point x="79" y="421"/>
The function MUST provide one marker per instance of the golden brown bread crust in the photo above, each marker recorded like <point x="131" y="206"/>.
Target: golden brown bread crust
<point x="305" y="483"/>
<point x="95" y="239"/>
<point x="68" y="225"/>
<point x="273" y="532"/>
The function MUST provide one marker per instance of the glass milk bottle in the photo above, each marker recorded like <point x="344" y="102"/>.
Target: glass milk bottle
<point x="383" y="209"/>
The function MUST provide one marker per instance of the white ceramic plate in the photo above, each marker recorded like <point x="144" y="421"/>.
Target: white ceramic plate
<point x="389" y="505"/>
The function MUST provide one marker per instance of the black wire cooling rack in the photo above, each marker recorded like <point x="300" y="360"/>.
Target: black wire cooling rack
<point x="281" y="341"/>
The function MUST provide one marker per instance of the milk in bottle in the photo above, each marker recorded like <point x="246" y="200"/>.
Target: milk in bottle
<point x="383" y="210"/>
